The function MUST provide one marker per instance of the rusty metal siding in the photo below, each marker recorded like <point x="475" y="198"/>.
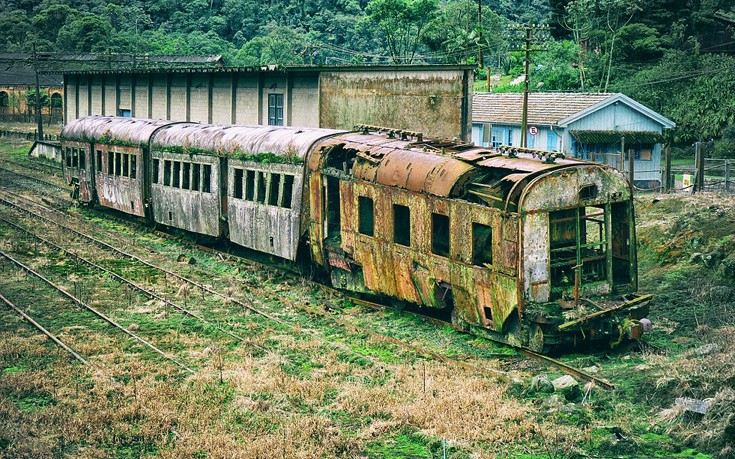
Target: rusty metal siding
<point x="121" y="193"/>
<point x="82" y="175"/>
<point x="195" y="211"/>
<point x="268" y="228"/>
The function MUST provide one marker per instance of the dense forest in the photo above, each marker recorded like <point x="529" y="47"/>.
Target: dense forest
<point x="675" y="56"/>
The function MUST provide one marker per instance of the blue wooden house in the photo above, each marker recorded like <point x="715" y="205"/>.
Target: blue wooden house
<point x="592" y="126"/>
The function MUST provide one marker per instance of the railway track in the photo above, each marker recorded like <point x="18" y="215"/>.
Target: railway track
<point x="361" y="302"/>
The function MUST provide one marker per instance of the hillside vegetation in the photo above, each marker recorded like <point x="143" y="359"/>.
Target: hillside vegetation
<point x="675" y="57"/>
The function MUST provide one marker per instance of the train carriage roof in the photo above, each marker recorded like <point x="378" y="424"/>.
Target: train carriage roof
<point x="234" y="139"/>
<point x="112" y="129"/>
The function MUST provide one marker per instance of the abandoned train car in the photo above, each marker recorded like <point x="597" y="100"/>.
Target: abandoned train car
<point x="521" y="246"/>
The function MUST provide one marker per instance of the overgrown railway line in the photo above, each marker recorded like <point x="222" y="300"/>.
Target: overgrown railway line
<point x="281" y="299"/>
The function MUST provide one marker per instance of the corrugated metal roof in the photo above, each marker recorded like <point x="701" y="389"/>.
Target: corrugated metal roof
<point x="111" y="129"/>
<point x="227" y="140"/>
<point x="543" y="107"/>
<point x="22" y="73"/>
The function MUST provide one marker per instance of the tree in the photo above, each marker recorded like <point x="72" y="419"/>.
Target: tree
<point x="87" y="34"/>
<point x="402" y="24"/>
<point x="280" y="46"/>
<point x="49" y="21"/>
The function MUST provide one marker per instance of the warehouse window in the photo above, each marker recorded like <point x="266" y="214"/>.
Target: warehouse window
<point x="440" y="234"/>
<point x="250" y="185"/>
<point x="273" y="191"/>
<point x="196" y="171"/>
<point x="367" y="218"/>
<point x="275" y="109"/>
<point x="401" y="225"/>
<point x="237" y="184"/>
<point x="287" y="191"/>
<point x="156" y="166"/>
<point x="4" y="99"/>
<point x="206" y="183"/>
<point x="167" y="172"/>
<point x="176" y="182"/>
<point x="482" y="244"/>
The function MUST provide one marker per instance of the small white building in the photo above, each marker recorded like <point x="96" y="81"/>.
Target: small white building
<point x="592" y="126"/>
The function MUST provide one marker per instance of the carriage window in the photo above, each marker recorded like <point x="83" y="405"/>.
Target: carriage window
<point x="273" y="192"/>
<point x="176" y="175"/>
<point x="74" y="157"/>
<point x="206" y="183"/>
<point x="118" y="163"/>
<point x="367" y="218"/>
<point x="440" y="235"/>
<point x="68" y="157"/>
<point x="287" y="191"/>
<point x="167" y="172"/>
<point x="185" y="179"/>
<point x="82" y="159"/>
<point x="133" y="166"/>
<point x="237" y="185"/>
<point x="261" y="187"/>
<point x="401" y="225"/>
<point x="196" y="171"/>
<point x="110" y="163"/>
<point x="250" y="185"/>
<point x="482" y="244"/>
<point x="98" y="166"/>
<point x="125" y="168"/>
<point x="156" y="166"/>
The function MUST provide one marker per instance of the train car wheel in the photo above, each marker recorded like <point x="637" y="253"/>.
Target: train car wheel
<point x="535" y="338"/>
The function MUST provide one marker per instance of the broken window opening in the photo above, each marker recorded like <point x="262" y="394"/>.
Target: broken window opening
<point x="133" y="166"/>
<point x="401" y="225"/>
<point x="156" y="166"/>
<point x="588" y="192"/>
<point x="118" y="163"/>
<point x="333" y="207"/>
<point x="99" y="161"/>
<point x="440" y="235"/>
<point x="578" y="242"/>
<point x="287" y="191"/>
<point x="68" y="157"/>
<point x="186" y="176"/>
<point x="274" y="189"/>
<point x="82" y="159"/>
<point x="621" y="250"/>
<point x="367" y="218"/>
<point x="176" y="182"/>
<point x="125" y="165"/>
<point x="250" y="185"/>
<point x="167" y="172"/>
<point x="110" y="163"/>
<point x="207" y="182"/>
<point x="237" y="184"/>
<point x="196" y="172"/>
<point x="482" y="244"/>
<point x="75" y="158"/>
<point x="261" y="187"/>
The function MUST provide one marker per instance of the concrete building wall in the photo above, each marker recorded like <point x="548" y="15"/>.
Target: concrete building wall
<point x="437" y="103"/>
<point x="160" y="97"/>
<point x="431" y="100"/>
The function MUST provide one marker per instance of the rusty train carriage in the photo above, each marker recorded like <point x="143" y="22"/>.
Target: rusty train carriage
<point x="523" y="246"/>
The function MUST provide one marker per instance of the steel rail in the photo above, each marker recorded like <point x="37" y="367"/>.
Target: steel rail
<point x="111" y="248"/>
<point x="121" y="279"/>
<point x="34" y="179"/>
<point x="51" y="336"/>
<point x="101" y="315"/>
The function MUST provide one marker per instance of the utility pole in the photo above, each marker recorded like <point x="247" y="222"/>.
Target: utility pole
<point x="534" y="34"/>
<point x="479" y="32"/>
<point x="39" y="117"/>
